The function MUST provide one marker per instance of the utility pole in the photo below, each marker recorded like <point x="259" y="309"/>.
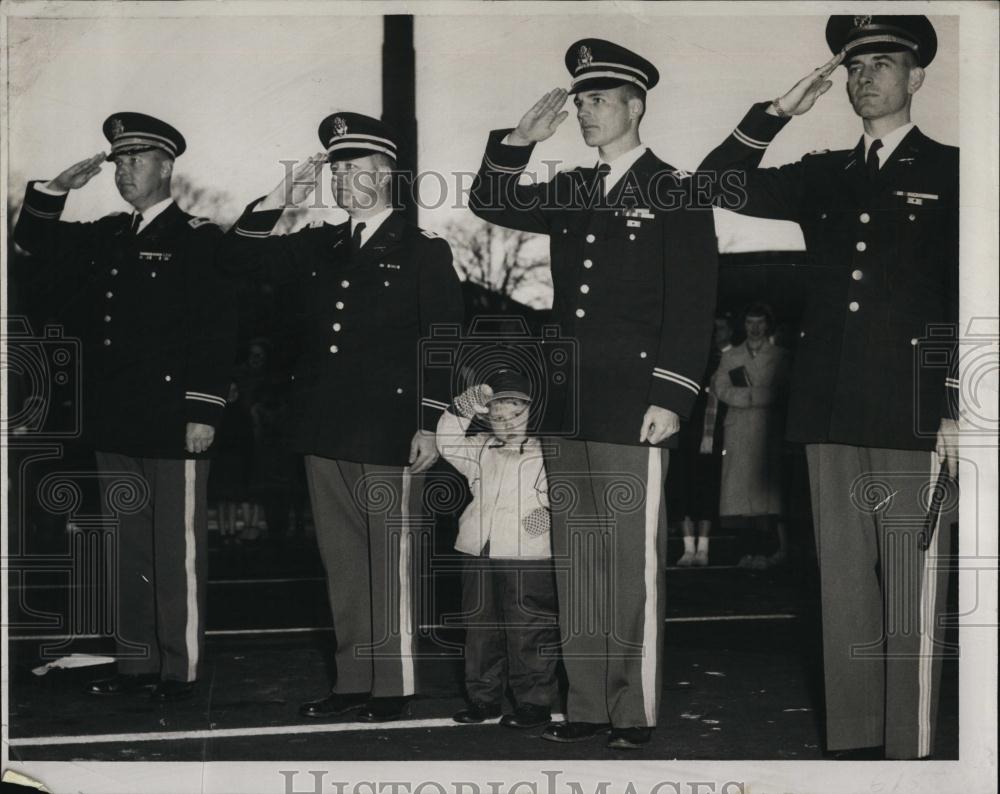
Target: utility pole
<point x="399" y="97"/>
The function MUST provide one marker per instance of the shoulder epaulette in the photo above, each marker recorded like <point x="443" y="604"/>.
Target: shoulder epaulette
<point x="111" y="217"/>
<point x="574" y="171"/>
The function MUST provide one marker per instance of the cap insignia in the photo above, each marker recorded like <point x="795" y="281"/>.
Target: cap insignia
<point x="584" y="57"/>
<point x="339" y="126"/>
<point x="862" y="21"/>
<point x="117" y="128"/>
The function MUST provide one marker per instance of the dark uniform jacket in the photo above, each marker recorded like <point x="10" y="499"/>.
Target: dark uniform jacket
<point x="161" y="334"/>
<point x="633" y="286"/>
<point x="359" y="391"/>
<point x="878" y="330"/>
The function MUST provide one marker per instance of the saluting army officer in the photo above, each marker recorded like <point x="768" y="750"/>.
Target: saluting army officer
<point x="634" y="273"/>
<point x="159" y="347"/>
<point x="363" y="416"/>
<point x="881" y="223"/>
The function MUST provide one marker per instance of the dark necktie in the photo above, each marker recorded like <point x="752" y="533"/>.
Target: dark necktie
<point x="871" y="164"/>
<point x="356" y="239"/>
<point x="136" y="220"/>
<point x="603" y="169"/>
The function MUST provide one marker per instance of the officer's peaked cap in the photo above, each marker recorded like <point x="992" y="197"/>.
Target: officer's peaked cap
<point x="596" y="63"/>
<point x="346" y="136"/>
<point x="136" y="132"/>
<point x="861" y="34"/>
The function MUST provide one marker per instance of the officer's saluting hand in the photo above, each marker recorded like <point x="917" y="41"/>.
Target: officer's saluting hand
<point x="78" y="174"/>
<point x="296" y="186"/>
<point x="542" y="120"/>
<point x="802" y="96"/>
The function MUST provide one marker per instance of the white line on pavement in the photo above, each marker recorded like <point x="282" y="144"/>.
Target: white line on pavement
<point x="308" y="629"/>
<point x="229" y="733"/>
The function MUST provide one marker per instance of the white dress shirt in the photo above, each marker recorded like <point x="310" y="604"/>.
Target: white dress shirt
<point x="889" y="142"/>
<point x="371" y="224"/>
<point x="150" y="213"/>
<point x="620" y="165"/>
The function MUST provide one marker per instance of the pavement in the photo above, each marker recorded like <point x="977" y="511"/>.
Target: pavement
<point x="743" y="677"/>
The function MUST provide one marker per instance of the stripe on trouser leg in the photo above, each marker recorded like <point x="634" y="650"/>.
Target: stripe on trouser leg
<point x="650" y="628"/>
<point x="190" y="576"/>
<point x="405" y="606"/>
<point x="928" y="606"/>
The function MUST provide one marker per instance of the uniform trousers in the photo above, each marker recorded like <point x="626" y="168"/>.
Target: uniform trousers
<point x="609" y="533"/>
<point x="367" y="517"/>
<point x="160" y="562"/>
<point x="883" y="597"/>
<point x="512" y="633"/>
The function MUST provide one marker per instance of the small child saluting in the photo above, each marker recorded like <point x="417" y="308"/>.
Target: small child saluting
<point x="508" y="584"/>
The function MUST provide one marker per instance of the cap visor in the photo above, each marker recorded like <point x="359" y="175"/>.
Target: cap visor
<point x="599" y="83"/>
<point x="136" y="149"/>
<point x="509" y="394"/>
<point x="874" y="47"/>
<point x="353" y="153"/>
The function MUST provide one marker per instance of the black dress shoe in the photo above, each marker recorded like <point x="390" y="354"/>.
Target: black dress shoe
<point x="122" y="684"/>
<point x="384" y="709"/>
<point x="478" y="712"/>
<point x="629" y="738"/>
<point x="528" y="715"/>
<point x="334" y="704"/>
<point x="170" y="691"/>
<point x="574" y="731"/>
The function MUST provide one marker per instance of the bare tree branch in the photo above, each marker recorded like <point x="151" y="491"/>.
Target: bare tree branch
<point x="199" y="200"/>
<point x="502" y="260"/>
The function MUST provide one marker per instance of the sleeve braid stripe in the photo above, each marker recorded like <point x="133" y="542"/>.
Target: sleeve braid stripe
<point x="506" y="169"/>
<point x="746" y="140"/>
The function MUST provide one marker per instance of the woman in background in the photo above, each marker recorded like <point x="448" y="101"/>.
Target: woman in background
<point x="752" y="380"/>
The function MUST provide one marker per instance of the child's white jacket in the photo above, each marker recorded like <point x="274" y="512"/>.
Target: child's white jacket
<point x="510" y="503"/>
